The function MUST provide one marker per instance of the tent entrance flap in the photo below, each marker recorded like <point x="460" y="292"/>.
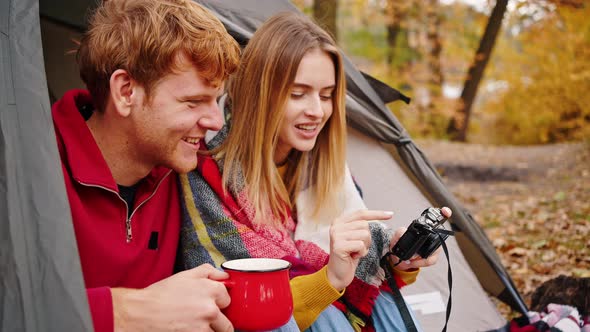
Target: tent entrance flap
<point x="41" y="280"/>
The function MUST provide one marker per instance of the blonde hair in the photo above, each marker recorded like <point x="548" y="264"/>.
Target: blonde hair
<point x="258" y="94"/>
<point x="146" y="37"/>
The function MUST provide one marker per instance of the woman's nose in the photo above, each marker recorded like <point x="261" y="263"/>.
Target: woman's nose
<point x="314" y="107"/>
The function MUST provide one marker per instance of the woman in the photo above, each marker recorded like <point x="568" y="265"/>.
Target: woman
<point x="277" y="184"/>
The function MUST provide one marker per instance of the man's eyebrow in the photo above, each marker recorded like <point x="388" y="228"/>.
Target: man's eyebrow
<point x="198" y="96"/>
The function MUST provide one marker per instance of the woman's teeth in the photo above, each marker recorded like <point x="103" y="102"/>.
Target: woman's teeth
<point x="306" y="127"/>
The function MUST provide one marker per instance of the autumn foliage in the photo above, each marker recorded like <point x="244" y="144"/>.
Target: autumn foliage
<point x="547" y="98"/>
<point x="534" y="87"/>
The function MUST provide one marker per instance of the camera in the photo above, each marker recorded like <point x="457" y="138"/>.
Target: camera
<point x="421" y="237"/>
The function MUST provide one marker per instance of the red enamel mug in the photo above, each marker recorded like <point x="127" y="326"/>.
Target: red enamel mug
<point x="260" y="293"/>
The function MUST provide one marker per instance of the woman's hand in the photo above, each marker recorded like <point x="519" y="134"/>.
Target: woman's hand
<point x="416" y="261"/>
<point x="350" y="239"/>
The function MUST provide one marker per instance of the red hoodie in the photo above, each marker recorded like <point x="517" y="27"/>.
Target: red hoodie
<point x="114" y="251"/>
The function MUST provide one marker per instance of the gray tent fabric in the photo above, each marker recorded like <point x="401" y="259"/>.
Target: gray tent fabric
<point x="388" y="184"/>
<point x="41" y="282"/>
<point x="40" y="277"/>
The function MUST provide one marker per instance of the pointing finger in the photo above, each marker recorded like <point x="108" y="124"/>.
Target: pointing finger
<point x="364" y="215"/>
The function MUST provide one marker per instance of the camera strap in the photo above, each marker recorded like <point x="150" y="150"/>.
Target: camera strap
<point x="397" y="296"/>
<point x="440" y="232"/>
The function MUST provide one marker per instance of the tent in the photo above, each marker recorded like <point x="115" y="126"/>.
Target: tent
<point x="40" y="277"/>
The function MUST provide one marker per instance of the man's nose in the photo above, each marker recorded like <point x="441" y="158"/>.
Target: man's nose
<point x="213" y="118"/>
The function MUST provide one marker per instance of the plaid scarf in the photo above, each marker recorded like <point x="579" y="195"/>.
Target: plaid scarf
<point x="217" y="227"/>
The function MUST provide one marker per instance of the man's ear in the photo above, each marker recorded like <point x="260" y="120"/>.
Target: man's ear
<point x="122" y="87"/>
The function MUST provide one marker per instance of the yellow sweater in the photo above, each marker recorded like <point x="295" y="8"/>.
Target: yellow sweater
<point x="313" y="293"/>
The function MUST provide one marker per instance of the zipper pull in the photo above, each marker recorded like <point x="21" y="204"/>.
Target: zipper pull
<point x="128" y="227"/>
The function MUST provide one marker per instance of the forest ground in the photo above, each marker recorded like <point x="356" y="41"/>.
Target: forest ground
<point x="533" y="203"/>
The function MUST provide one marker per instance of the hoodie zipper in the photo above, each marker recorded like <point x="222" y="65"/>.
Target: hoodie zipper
<point x="128" y="227"/>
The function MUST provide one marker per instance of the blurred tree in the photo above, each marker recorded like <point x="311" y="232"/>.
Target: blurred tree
<point x="299" y="4"/>
<point x="457" y="129"/>
<point x="547" y="69"/>
<point x="396" y="14"/>
<point x="569" y="3"/>
<point x="427" y="70"/>
<point x="535" y="86"/>
<point x="362" y="33"/>
<point x="304" y="5"/>
<point x="434" y="45"/>
<point x="325" y="12"/>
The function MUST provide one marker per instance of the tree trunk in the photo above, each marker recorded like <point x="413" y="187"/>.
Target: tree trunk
<point x="324" y="12"/>
<point x="432" y="85"/>
<point x="396" y="12"/>
<point x="457" y="129"/>
<point x="434" y="47"/>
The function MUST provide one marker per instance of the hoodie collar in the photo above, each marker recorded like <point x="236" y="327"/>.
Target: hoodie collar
<point x="78" y="147"/>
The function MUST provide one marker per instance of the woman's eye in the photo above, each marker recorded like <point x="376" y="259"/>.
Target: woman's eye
<point x="326" y="97"/>
<point x="296" y="95"/>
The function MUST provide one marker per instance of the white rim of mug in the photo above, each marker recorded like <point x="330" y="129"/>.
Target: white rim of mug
<point x="284" y="265"/>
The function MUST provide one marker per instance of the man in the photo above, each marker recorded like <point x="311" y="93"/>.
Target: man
<point x="153" y="70"/>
